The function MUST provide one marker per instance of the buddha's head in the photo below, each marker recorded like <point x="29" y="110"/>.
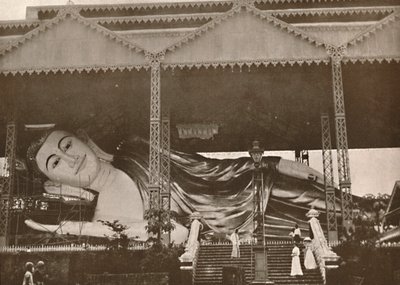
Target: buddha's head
<point x="64" y="158"/>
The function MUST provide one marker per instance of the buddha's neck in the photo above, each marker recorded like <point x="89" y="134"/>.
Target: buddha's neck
<point x="105" y="178"/>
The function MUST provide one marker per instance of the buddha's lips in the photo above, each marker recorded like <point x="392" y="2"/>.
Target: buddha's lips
<point x="81" y="164"/>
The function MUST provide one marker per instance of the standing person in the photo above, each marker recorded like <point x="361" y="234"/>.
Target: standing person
<point x="297" y="234"/>
<point x="291" y="234"/>
<point x="296" y="266"/>
<point x="235" y="244"/>
<point x="38" y="275"/>
<point x="309" y="260"/>
<point x="28" y="276"/>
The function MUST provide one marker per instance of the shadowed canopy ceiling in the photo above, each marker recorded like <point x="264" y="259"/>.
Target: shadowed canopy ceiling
<point x="280" y="106"/>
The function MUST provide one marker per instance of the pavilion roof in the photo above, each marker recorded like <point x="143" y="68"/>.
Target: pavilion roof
<point x="62" y="52"/>
<point x="392" y="214"/>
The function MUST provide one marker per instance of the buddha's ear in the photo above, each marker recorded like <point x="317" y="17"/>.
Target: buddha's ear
<point x="101" y="154"/>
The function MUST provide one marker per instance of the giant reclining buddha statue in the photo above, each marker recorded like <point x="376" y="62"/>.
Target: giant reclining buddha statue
<point x="220" y="190"/>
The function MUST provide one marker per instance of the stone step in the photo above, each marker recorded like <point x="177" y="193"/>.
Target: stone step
<point x="212" y="258"/>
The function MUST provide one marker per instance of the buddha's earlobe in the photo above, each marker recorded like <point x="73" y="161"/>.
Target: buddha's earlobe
<point x="102" y="155"/>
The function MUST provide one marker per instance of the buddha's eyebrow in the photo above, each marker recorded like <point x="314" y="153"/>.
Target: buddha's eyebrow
<point x="59" y="142"/>
<point x="47" y="161"/>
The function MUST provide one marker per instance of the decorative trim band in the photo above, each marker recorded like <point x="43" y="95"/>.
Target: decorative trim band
<point x="72" y="69"/>
<point x="247" y="63"/>
<point x="157" y="19"/>
<point x="19" y="24"/>
<point x="298" y="1"/>
<point x="332" y="27"/>
<point x="168" y="33"/>
<point x="138" y="6"/>
<point x="333" y="11"/>
<point x="387" y="59"/>
<point x="218" y="20"/>
<point x="61" y="16"/>
<point x="371" y="30"/>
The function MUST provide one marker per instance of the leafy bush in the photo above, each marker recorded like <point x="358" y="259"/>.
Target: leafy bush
<point x="158" y="222"/>
<point x="162" y="258"/>
<point x="119" y="239"/>
<point x="364" y="260"/>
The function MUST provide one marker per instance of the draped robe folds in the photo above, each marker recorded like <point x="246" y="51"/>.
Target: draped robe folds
<point x="221" y="190"/>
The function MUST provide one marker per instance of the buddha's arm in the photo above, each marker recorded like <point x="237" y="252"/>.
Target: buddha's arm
<point x="136" y="229"/>
<point x="67" y="191"/>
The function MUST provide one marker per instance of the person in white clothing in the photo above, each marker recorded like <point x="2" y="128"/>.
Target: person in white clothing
<point x="309" y="260"/>
<point x="235" y="244"/>
<point x="296" y="266"/>
<point x="28" y="276"/>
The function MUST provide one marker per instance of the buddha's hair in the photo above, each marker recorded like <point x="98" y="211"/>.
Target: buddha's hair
<point x="32" y="151"/>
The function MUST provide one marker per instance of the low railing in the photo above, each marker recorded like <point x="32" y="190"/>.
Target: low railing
<point x="247" y="242"/>
<point x="322" y="252"/>
<point x="189" y="258"/>
<point x="334" y="243"/>
<point x="388" y="244"/>
<point x="156" y="278"/>
<point x="65" y="248"/>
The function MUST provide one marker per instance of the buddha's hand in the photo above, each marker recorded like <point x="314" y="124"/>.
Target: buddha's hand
<point x="68" y="194"/>
<point x="136" y="229"/>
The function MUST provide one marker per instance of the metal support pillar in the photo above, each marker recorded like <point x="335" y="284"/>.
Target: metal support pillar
<point x="328" y="179"/>
<point x="302" y="157"/>
<point x="341" y="137"/>
<point x="258" y="220"/>
<point x="155" y="131"/>
<point x="8" y="182"/>
<point x="165" y="164"/>
<point x="259" y="249"/>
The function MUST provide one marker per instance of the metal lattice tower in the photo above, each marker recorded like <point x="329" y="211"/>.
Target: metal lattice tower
<point x="165" y="197"/>
<point x="165" y="162"/>
<point x="155" y="131"/>
<point x="328" y="179"/>
<point x="341" y="137"/>
<point x="8" y="182"/>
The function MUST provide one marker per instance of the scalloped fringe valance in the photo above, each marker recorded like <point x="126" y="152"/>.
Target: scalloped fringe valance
<point x="363" y="60"/>
<point x="71" y="70"/>
<point x="241" y="64"/>
<point x="193" y="65"/>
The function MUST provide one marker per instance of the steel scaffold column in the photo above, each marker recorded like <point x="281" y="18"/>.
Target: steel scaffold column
<point x="155" y="131"/>
<point x="165" y="161"/>
<point x="328" y="179"/>
<point x="341" y="137"/>
<point x="8" y="182"/>
<point x="165" y="197"/>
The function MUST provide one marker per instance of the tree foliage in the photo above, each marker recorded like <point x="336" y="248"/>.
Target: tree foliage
<point x="158" y="222"/>
<point x="369" y="221"/>
<point x="119" y="239"/>
<point x="162" y="258"/>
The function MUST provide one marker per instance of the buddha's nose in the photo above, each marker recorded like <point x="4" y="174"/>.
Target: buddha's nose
<point x="70" y="159"/>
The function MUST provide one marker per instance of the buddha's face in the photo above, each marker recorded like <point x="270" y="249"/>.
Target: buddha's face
<point x="66" y="159"/>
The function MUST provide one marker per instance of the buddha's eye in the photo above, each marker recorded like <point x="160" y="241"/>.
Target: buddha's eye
<point x="55" y="162"/>
<point x="67" y="145"/>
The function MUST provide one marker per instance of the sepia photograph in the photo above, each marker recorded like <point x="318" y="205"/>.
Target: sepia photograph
<point x="210" y="142"/>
